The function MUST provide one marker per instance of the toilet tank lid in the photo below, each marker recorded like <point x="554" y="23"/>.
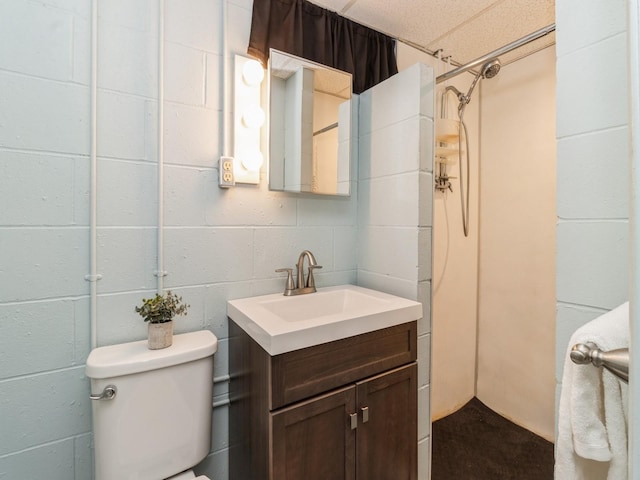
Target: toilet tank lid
<point x="135" y="357"/>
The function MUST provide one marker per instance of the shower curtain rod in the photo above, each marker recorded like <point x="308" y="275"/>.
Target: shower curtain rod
<point x="496" y="53"/>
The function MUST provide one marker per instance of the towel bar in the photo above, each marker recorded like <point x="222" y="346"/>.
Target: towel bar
<point x="616" y="361"/>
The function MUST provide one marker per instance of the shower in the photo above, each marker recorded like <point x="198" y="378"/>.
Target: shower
<point x="489" y="70"/>
<point x="483" y="310"/>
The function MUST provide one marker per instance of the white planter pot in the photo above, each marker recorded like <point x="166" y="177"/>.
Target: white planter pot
<point x="160" y="335"/>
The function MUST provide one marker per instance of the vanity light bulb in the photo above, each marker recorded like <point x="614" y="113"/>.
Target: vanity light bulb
<point x="252" y="160"/>
<point x="252" y="73"/>
<point x="253" y="116"/>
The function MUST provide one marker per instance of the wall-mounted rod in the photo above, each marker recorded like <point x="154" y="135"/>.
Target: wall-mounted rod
<point x="160" y="272"/>
<point x="616" y="361"/>
<point x="496" y="53"/>
<point x="226" y="83"/>
<point x="221" y="403"/>
<point x="326" y="129"/>
<point x="93" y="275"/>
<point x="222" y="379"/>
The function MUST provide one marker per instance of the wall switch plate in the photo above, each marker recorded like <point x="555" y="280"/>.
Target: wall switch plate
<point x="225" y="167"/>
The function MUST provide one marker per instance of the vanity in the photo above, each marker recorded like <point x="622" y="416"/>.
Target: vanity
<point x="323" y="386"/>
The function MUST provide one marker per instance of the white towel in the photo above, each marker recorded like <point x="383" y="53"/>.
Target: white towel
<point x="592" y="420"/>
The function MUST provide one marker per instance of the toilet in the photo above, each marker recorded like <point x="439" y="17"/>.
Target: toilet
<point x="152" y="408"/>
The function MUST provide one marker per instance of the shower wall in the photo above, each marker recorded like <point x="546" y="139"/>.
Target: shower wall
<point x="455" y="273"/>
<point x="516" y="289"/>
<point x="493" y="310"/>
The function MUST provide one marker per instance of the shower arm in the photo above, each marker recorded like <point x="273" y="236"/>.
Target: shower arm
<point x="463" y="99"/>
<point x="444" y="104"/>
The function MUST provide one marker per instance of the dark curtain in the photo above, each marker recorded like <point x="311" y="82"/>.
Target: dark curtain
<point x="312" y="32"/>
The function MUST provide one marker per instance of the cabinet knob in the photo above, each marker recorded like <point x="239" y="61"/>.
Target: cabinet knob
<point x="365" y="414"/>
<point x="353" y="417"/>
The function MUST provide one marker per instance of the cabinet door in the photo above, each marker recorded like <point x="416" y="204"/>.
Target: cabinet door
<point x="387" y="445"/>
<point x="314" y="440"/>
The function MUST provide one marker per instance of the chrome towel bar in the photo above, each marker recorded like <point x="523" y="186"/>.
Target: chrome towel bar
<point x="616" y="361"/>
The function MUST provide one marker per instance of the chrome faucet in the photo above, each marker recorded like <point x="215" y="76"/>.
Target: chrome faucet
<point x="301" y="286"/>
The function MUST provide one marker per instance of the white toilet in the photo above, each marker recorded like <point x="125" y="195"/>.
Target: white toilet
<point x="154" y="418"/>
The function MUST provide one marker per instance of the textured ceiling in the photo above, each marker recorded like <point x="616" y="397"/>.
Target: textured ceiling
<point x="463" y="29"/>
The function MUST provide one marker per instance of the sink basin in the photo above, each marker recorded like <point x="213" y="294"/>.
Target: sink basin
<point x="282" y="324"/>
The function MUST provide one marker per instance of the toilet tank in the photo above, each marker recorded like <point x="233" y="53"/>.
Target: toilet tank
<point x="159" y="422"/>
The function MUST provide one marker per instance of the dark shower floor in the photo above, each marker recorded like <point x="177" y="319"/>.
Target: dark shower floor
<point x="475" y="443"/>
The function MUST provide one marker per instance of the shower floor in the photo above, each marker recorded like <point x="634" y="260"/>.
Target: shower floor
<point x="475" y="443"/>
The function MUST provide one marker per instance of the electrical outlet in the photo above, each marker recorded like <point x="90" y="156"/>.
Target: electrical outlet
<point x="225" y="167"/>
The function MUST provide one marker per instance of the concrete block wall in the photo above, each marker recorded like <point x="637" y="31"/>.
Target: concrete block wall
<point x="592" y="169"/>
<point x="395" y="205"/>
<point x="44" y="329"/>
<point x="219" y="244"/>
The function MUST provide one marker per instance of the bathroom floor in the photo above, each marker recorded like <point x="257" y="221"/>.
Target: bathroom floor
<point x="475" y="443"/>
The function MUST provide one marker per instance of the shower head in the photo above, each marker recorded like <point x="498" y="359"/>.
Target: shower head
<point x="491" y="68"/>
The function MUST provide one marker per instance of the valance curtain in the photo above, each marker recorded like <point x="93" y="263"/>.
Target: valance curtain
<point x="312" y="32"/>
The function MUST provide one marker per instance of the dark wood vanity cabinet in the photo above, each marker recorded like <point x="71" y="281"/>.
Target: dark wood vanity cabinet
<point x="341" y="410"/>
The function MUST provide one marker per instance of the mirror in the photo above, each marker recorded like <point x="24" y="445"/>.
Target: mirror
<point x="309" y="126"/>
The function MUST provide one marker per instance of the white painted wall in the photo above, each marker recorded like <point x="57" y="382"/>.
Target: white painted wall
<point x="455" y="267"/>
<point x="593" y="170"/>
<point x="516" y="291"/>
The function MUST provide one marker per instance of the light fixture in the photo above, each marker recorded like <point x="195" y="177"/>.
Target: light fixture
<point x="249" y="117"/>
<point x="252" y="160"/>
<point x="253" y="116"/>
<point x="252" y="73"/>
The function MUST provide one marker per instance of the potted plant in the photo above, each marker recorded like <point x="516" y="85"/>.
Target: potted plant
<point x="159" y="312"/>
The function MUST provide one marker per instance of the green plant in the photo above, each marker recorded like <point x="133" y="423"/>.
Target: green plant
<point x="162" y="308"/>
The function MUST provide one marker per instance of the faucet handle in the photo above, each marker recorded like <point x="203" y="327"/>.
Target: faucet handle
<point x="310" y="281"/>
<point x="290" y="286"/>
